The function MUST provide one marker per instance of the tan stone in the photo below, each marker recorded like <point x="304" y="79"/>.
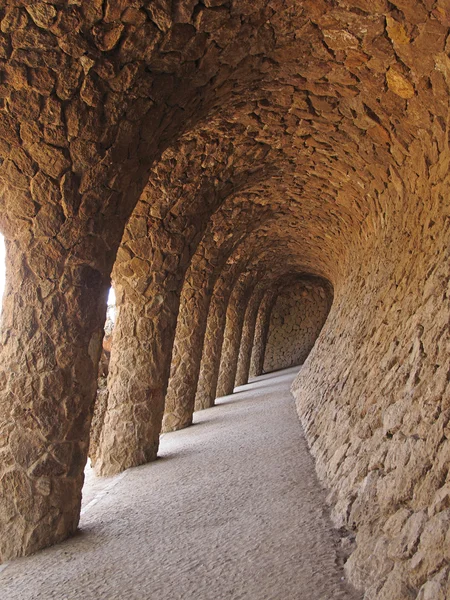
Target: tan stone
<point x="321" y="125"/>
<point x="295" y="323"/>
<point x="261" y="332"/>
<point x="399" y="84"/>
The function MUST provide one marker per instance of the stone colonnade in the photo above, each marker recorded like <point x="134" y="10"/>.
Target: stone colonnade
<point x="154" y="142"/>
<point x="248" y="334"/>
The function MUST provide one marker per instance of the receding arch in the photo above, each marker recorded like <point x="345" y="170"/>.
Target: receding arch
<point x="334" y="116"/>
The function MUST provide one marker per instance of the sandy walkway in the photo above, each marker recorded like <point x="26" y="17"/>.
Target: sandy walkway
<point x="232" y="511"/>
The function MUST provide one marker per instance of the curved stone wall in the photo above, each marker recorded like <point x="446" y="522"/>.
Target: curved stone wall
<point x="319" y="132"/>
<point x="374" y="396"/>
<point x="297" y="318"/>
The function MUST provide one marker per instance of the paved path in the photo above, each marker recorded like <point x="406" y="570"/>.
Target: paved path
<point x="232" y="511"/>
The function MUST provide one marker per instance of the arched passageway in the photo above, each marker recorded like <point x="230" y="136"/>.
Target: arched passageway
<point x="203" y="155"/>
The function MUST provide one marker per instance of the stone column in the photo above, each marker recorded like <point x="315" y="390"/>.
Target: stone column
<point x="50" y="341"/>
<point x="139" y="371"/>
<point x="261" y="333"/>
<point x="248" y="334"/>
<point x="148" y="286"/>
<point x="232" y="336"/>
<point x="212" y="345"/>
<point x="187" y="351"/>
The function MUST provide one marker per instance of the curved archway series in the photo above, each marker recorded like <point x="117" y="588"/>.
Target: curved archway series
<point x="206" y="155"/>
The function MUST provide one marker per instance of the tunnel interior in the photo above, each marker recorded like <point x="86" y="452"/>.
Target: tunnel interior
<point x="203" y="156"/>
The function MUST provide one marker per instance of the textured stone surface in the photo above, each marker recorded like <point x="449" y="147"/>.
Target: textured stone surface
<point x="157" y="247"/>
<point x="87" y="104"/>
<point x="222" y="239"/>
<point x="233" y="332"/>
<point x="248" y="334"/>
<point x="214" y="335"/>
<point x="374" y="397"/>
<point x="333" y="116"/>
<point x="261" y="332"/>
<point x="230" y="539"/>
<point x="139" y="368"/>
<point x="297" y="317"/>
<point x="44" y="439"/>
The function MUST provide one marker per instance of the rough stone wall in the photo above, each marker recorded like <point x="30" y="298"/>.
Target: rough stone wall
<point x="296" y="320"/>
<point x="346" y="100"/>
<point x="374" y="395"/>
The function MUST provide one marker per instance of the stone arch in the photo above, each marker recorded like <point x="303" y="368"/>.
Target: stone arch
<point x="252" y="343"/>
<point x="89" y="105"/>
<point x="159" y="242"/>
<point x="223" y="238"/>
<point x="214" y="336"/>
<point x="352" y="98"/>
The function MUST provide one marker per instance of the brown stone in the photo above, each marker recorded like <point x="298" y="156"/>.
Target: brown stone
<point x="107" y="37"/>
<point x="296" y="319"/>
<point x="399" y="84"/>
<point x="233" y="332"/>
<point x="42" y="14"/>
<point x="309" y="140"/>
<point x="261" y="332"/>
<point x="51" y="160"/>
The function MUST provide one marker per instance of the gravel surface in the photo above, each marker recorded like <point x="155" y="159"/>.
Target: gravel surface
<point x="232" y="510"/>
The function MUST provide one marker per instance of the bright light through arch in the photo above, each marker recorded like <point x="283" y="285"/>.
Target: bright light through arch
<point x="111" y="309"/>
<point x="111" y="297"/>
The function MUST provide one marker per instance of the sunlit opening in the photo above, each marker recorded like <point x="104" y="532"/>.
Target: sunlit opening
<point x="111" y="310"/>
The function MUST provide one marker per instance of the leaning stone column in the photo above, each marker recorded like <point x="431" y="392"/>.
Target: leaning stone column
<point x="261" y="333"/>
<point x="62" y="226"/>
<point x="141" y="347"/>
<point x="139" y="371"/>
<point x="232" y="336"/>
<point x="248" y="333"/>
<point x="187" y="351"/>
<point x="212" y="345"/>
<point x="50" y="341"/>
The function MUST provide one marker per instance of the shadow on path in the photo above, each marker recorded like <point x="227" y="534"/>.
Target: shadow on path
<point x="231" y="511"/>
